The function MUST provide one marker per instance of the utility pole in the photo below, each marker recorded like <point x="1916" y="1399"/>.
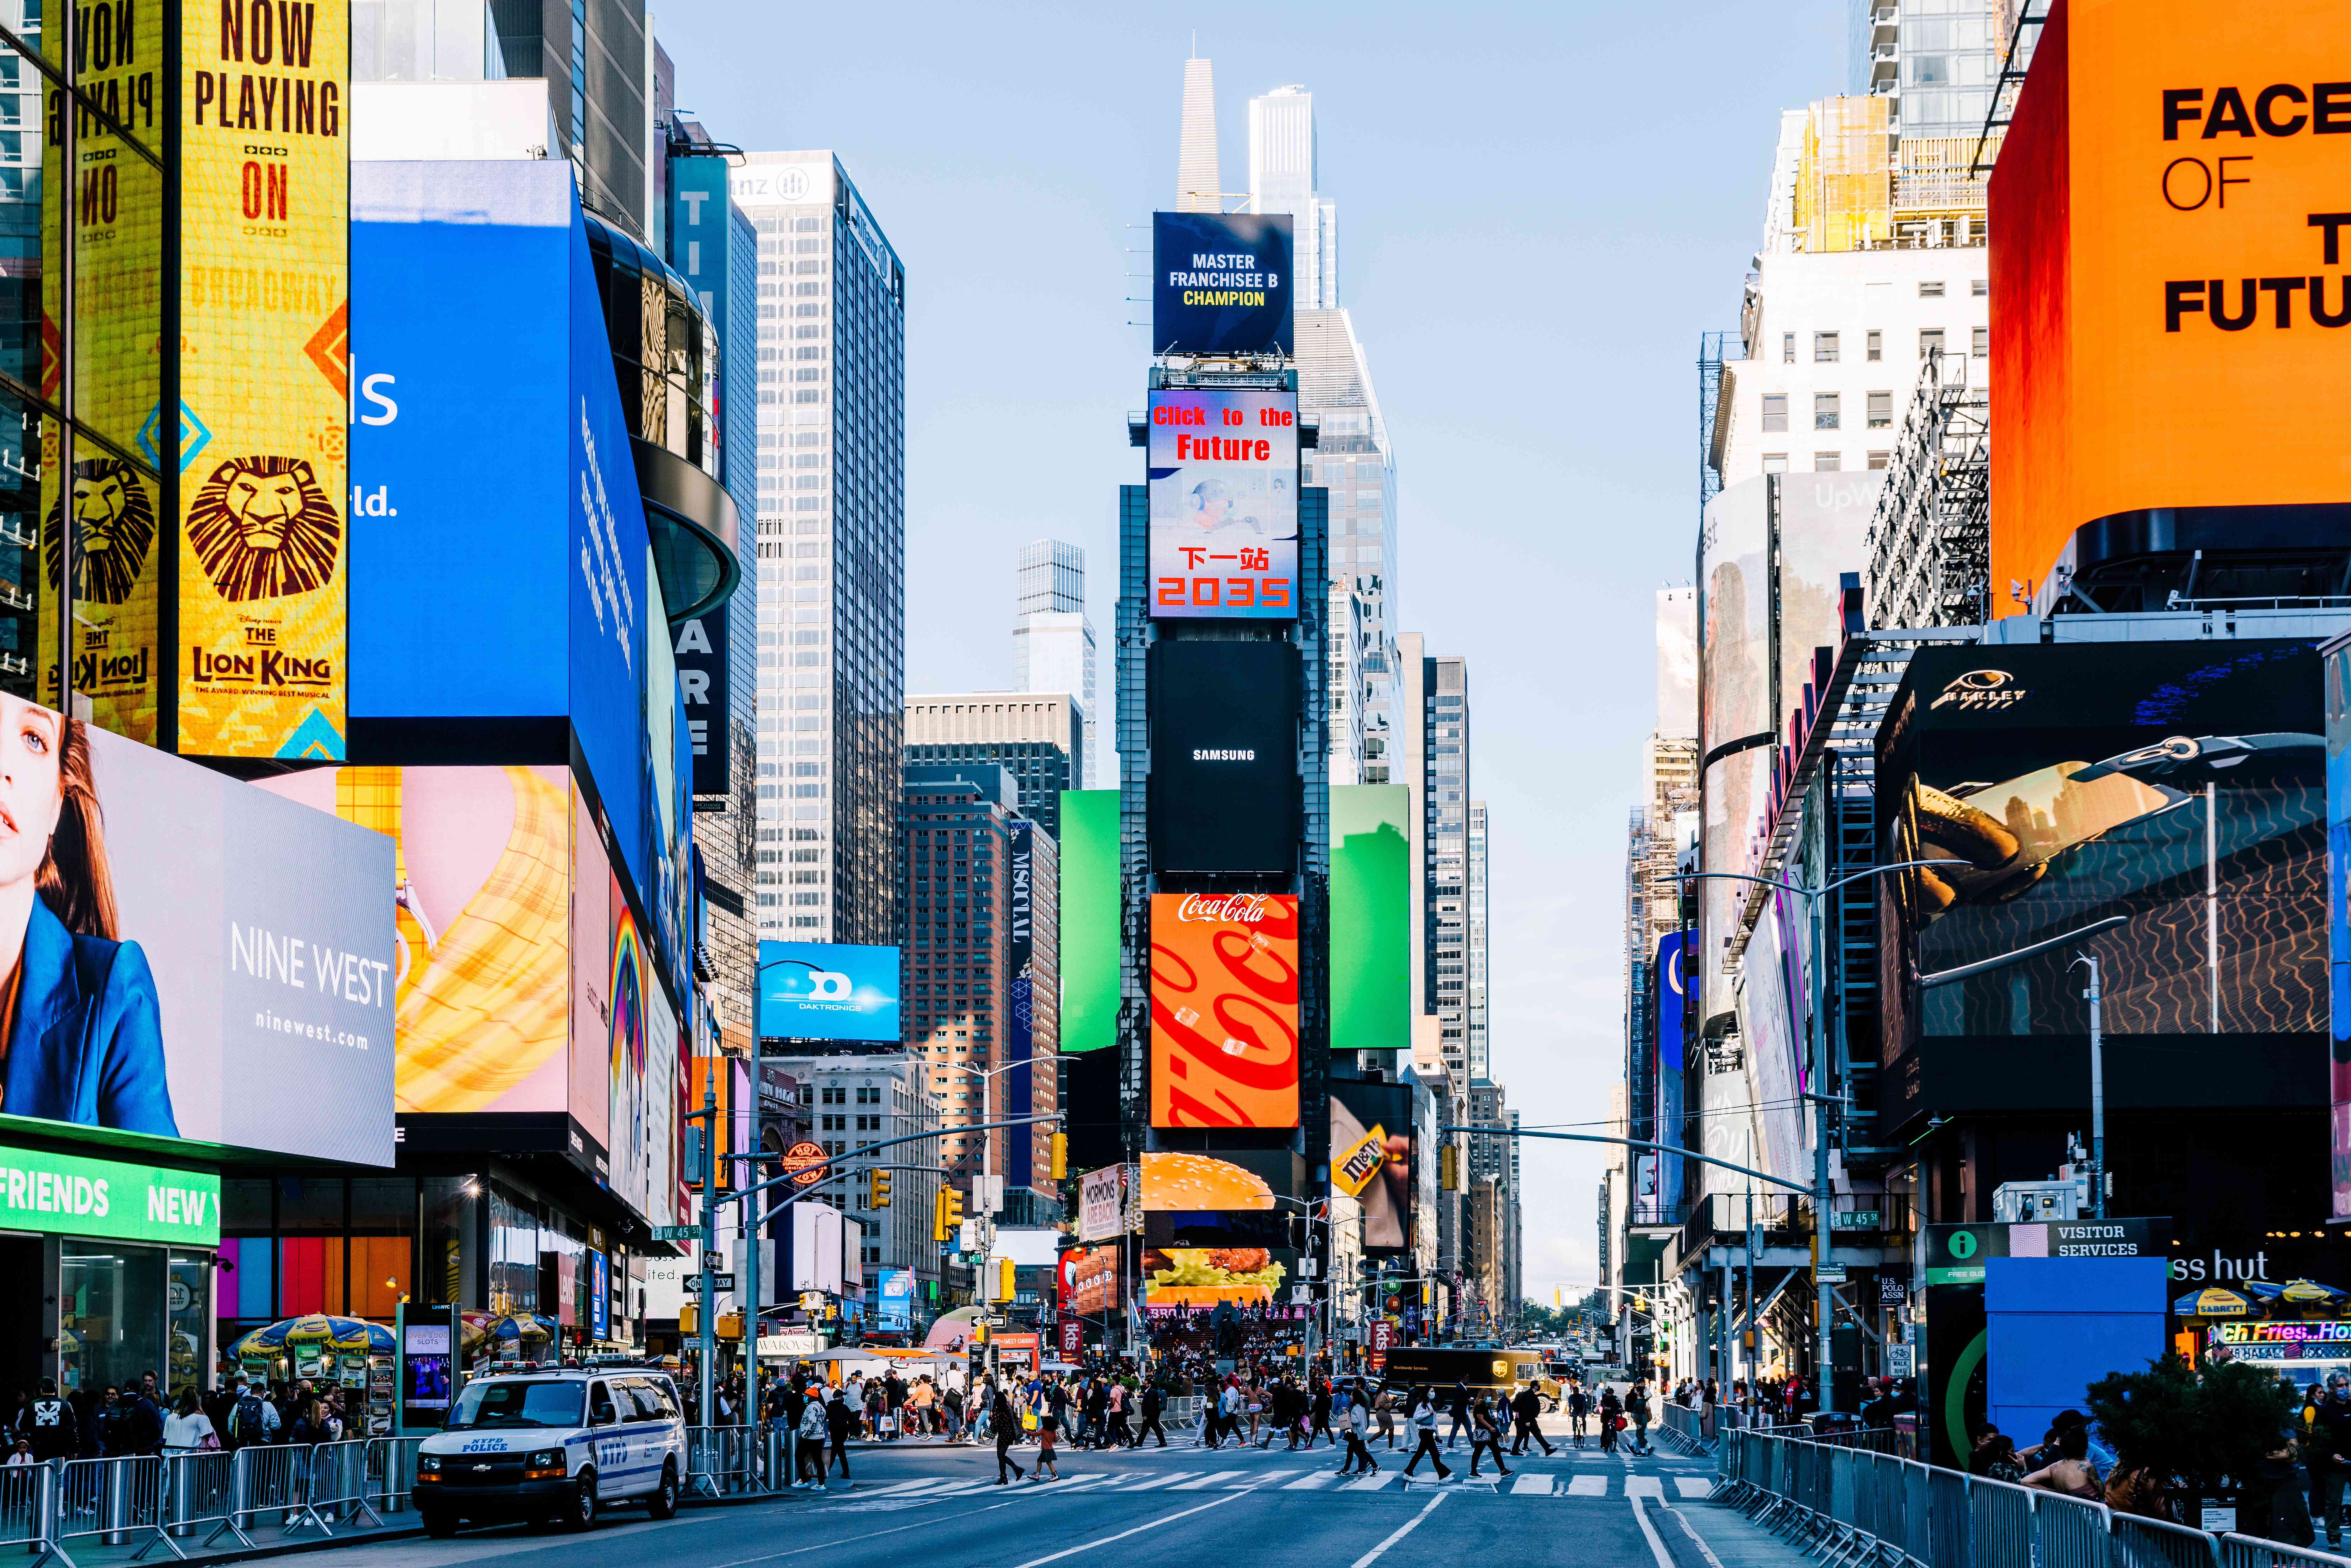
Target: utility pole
<point x="749" y="1298"/>
<point x="706" y="1331"/>
<point x="2097" y="1094"/>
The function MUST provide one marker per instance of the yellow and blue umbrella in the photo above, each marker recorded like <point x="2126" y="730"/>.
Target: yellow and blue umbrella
<point x="347" y="1336"/>
<point x="2213" y="1302"/>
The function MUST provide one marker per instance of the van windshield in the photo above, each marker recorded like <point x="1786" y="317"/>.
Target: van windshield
<point x="550" y="1402"/>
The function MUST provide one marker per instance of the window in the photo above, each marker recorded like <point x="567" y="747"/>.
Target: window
<point x="1877" y="461"/>
<point x="1775" y="411"/>
<point x="1980" y="343"/>
<point x="1874" y="347"/>
<point x="1787" y="348"/>
<point x="1980" y="288"/>
<point x="1828" y="462"/>
<point x="1881" y="411"/>
<point x="1825" y="411"/>
<point x="1775" y="463"/>
<point x="1930" y="291"/>
<point x="1825" y="347"/>
<point x="1930" y="341"/>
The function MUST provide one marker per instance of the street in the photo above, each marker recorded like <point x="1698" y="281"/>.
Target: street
<point x="943" y="1503"/>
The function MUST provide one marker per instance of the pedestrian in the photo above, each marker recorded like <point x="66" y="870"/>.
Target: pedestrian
<point x="1637" y="1409"/>
<point x="1353" y="1422"/>
<point x="1005" y="1422"/>
<point x="2270" y="1500"/>
<point x="1118" y="1435"/>
<point x="2328" y="1454"/>
<point x="1486" y="1432"/>
<point x="1459" y="1410"/>
<point x="1424" y="1428"/>
<point x="1384" y="1410"/>
<point x="187" y="1428"/>
<point x="1321" y="1409"/>
<point x="1256" y="1402"/>
<point x="1612" y="1419"/>
<point x="1048" y="1426"/>
<point x="55" y="1430"/>
<point x="1578" y="1412"/>
<point x="1153" y="1402"/>
<point x="2071" y="1472"/>
<point x="813" y="1430"/>
<point x="1526" y="1409"/>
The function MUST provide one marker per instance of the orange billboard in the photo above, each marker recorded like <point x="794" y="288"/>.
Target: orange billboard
<point x="2170" y="229"/>
<point x="1224" y="1010"/>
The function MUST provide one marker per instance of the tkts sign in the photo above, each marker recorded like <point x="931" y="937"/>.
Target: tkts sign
<point x="1224" y="1010"/>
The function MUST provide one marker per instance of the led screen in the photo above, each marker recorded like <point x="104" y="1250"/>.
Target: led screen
<point x="1213" y="1233"/>
<point x="1371" y="917"/>
<point x="1224" y="504"/>
<point x="1224" y="1010"/>
<point x="1089" y="913"/>
<point x="1371" y="1158"/>
<point x="828" y="990"/>
<point x="1225" y="793"/>
<point x="1221" y="283"/>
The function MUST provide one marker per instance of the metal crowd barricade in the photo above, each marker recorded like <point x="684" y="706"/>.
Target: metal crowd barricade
<point x="199" y="1488"/>
<point x="719" y="1462"/>
<point x="113" y="1500"/>
<point x="2071" y="1531"/>
<point x="2142" y="1543"/>
<point x="391" y="1472"/>
<point x="2250" y="1551"/>
<point x="28" y="1512"/>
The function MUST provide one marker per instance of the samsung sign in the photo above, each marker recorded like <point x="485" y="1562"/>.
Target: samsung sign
<point x="1221" y="283"/>
<point x="828" y="990"/>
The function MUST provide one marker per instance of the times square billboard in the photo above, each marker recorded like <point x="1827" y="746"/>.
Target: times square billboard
<point x="1223" y="470"/>
<point x="1221" y="283"/>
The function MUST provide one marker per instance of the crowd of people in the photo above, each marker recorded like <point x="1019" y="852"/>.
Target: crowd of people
<point x="113" y="1421"/>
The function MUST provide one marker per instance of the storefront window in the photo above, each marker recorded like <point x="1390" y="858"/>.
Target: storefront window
<point x="110" y="1315"/>
<point x="189" y="1327"/>
<point x="514" y="1257"/>
<point x="310" y="1254"/>
<point x="383" y="1235"/>
<point x="446" y="1264"/>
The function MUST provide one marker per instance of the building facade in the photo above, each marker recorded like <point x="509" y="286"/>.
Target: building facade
<point x="851" y="1102"/>
<point x="1285" y="176"/>
<point x="1039" y="739"/>
<point x="1053" y="642"/>
<point x="832" y="541"/>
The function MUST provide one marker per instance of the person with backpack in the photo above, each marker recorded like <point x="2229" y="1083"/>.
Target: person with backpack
<point x="1526" y="1410"/>
<point x="50" y="1424"/>
<point x="1487" y="1416"/>
<point x="1611" y="1417"/>
<point x="252" y="1418"/>
<point x="1579" y="1411"/>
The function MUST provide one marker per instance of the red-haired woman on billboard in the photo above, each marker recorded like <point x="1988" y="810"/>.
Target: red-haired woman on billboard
<point x="78" y="1015"/>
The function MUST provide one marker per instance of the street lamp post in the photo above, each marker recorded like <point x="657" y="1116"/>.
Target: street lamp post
<point x="1823" y="1322"/>
<point x="2097" y="1094"/>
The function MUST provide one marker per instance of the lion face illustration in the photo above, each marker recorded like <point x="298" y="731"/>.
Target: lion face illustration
<point x="114" y="529"/>
<point x="263" y="529"/>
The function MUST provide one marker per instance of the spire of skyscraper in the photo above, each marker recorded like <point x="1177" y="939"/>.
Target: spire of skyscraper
<point x="1198" y="183"/>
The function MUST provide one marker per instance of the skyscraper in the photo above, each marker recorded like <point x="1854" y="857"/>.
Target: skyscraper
<point x="1285" y="177"/>
<point x="1053" y="642"/>
<point x="1199" y="184"/>
<point x="832" y="529"/>
<point x="1034" y="736"/>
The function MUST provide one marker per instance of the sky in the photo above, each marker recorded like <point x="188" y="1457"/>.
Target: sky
<point x="1540" y="207"/>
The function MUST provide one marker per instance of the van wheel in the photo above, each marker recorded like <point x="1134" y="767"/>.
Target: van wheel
<point x="662" y="1503"/>
<point x="581" y="1513"/>
<point x="439" y="1522"/>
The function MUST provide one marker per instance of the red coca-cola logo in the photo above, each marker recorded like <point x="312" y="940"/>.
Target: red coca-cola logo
<point x="1223" y="908"/>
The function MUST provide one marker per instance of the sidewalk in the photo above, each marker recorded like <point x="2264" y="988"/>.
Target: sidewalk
<point x="1702" y="1535"/>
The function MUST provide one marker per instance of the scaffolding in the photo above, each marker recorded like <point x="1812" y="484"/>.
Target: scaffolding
<point x="1929" y="545"/>
<point x="1844" y="176"/>
<point x="2025" y="18"/>
<point x="1713" y="349"/>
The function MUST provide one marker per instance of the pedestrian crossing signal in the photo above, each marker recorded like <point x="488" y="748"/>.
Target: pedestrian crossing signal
<point x="881" y="1190"/>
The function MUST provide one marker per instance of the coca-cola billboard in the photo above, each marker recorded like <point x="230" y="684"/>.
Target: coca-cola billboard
<point x="1224" y="1010"/>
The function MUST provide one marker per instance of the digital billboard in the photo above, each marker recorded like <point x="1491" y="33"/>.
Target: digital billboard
<point x="2336" y="665"/>
<point x="264" y="417"/>
<point x="1371" y="1158"/>
<point x="2167" y="271"/>
<point x="1213" y="1233"/>
<point x="1225" y="790"/>
<point x="189" y="952"/>
<point x="2155" y="806"/>
<point x="1221" y="283"/>
<point x="1089" y="1280"/>
<point x="1089" y="913"/>
<point x="1224" y="1010"/>
<point x="828" y="990"/>
<point x="1371" y="917"/>
<point x="700" y="236"/>
<point x="1223" y="472"/>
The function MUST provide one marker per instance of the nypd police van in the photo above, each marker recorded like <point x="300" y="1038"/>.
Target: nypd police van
<point x="563" y="1444"/>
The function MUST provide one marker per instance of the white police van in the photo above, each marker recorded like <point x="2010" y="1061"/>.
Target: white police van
<point x="557" y="1444"/>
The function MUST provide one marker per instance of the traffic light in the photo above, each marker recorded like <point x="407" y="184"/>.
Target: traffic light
<point x="1641" y="1305"/>
<point x="1060" y="1146"/>
<point x="881" y="1190"/>
<point x="1002" y="1282"/>
<point x="946" y="1214"/>
<point x="1448" y="1166"/>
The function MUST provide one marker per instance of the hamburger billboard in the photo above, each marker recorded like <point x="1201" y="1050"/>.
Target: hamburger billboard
<point x="2169" y="276"/>
<point x="1213" y="1233"/>
<point x="1224" y="1010"/>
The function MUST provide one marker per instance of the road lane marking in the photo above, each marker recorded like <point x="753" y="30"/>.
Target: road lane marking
<point x="1695" y="1540"/>
<point x="1536" y="1486"/>
<point x="1587" y="1485"/>
<point x="1196" y="1482"/>
<point x="1406" y="1528"/>
<point x="1122" y="1535"/>
<point x="1657" y="1547"/>
<point x="928" y="1521"/>
<point x="1693" y="1486"/>
<point x="1371" y="1482"/>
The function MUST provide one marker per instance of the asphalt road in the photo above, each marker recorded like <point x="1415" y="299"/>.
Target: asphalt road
<point x="930" y="1503"/>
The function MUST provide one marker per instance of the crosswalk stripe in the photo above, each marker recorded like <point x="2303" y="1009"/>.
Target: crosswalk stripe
<point x="1196" y="1482"/>
<point x="1644" y="1486"/>
<point x="1693" y="1486"/>
<point x="1533" y="1486"/>
<point x="1314" y="1480"/>
<point x="1155" y="1481"/>
<point x="1587" y="1485"/>
<point x="1371" y="1482"/>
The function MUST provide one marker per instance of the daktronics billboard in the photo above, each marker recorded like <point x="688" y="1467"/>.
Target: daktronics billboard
<point x="828" y="990"/>
<point x="1224" y="1010"/>
<point x="2169" y="276"/>
<point x="1221" y="283"/>
<point x="1224" y="792"/>
<point x="1224" y="504"/>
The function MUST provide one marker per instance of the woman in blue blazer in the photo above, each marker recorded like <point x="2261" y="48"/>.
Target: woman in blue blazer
<point x="78" y="1012"/>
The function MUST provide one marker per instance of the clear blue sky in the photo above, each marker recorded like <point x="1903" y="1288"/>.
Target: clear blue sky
<point x="1540" y="207"/>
